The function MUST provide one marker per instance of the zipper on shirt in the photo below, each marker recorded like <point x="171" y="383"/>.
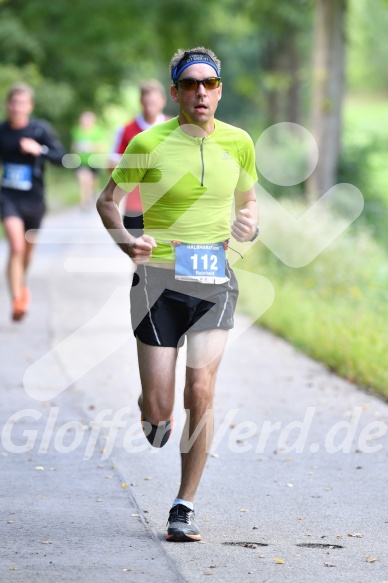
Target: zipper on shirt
<point x="202" y="160"/>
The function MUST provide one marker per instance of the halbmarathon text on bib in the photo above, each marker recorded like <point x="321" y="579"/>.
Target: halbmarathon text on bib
<point x="204" y="263"/>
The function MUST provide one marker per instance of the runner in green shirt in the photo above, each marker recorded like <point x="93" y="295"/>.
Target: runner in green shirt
<point x="202" y="168"/>
<point x="88" y="139"/>
<point x="191" y="170"/>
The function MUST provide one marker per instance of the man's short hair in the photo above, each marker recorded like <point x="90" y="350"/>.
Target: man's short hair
<point x="178" y="56"/>
<point x="17" y="88"/>
<point x="150" y="86"/>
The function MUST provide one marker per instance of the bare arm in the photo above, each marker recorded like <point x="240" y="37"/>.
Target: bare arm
<point x="139" y="249"/>
<point x="247" y="215"/>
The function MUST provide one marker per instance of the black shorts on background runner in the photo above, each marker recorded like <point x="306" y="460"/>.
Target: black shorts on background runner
<point x="163" y="309"/>
<point x="30" y="211"/>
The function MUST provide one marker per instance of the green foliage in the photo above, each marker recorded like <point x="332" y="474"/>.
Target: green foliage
<point x="363" y="160"/>
<point x="75" y="49"/>
<point x="367" y="53"/>
<point x="17" y="44"/>
<point x="334" y="308"/>
<point x="355" y="167"/>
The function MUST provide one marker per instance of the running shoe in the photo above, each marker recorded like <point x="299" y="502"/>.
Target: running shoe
<point x="181" y="526"/>
<point x="158" y="435"/>
<point x="25" y="295"/>
<point x="20" y="304"/>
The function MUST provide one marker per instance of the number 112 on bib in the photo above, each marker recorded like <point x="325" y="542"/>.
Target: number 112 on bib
<point x="204" y="263"/>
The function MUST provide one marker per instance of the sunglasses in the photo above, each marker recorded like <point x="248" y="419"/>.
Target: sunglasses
<point x="190" y="84"/>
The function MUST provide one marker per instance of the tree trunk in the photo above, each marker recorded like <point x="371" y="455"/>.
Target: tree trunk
<point x="293" y="93"/>
<point x="328" y="90"/>
<point x="283" y="101"/>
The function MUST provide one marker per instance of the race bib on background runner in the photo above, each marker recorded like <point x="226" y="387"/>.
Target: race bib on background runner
<point x="17" y="176"/>
<point x="202" y="263"/>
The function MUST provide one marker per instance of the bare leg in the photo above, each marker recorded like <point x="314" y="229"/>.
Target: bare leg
<point x="198" y="400"/>
<point x="86" y="185"/>
<point x="14" y="231"/>
<point x="157" y="375"/>
<point x="30" y="244"/>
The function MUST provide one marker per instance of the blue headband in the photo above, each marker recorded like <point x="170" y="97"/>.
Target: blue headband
<point x="193" y="59"/>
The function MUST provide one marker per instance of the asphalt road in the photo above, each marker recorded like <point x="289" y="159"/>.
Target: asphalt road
<point x="292" y="491"/>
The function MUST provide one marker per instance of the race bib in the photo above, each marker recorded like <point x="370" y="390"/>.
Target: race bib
<point x="202" y="263"/>
<point x="17" y="176"/>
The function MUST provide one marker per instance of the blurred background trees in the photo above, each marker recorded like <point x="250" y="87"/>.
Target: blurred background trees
<point x="80" y="56"/>
<point x="320" y="63"/>
<point x="283" y="61"/>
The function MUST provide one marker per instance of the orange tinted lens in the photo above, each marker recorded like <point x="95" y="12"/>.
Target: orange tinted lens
<point x="211" y="82"/>
<point x="189" y="84"/>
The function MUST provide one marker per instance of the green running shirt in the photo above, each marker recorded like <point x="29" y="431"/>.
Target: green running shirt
<point x="187" y="184"/>
<point x="86" y="142"/>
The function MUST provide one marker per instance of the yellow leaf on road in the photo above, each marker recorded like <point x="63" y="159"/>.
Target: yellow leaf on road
<point x="279" y="561"/>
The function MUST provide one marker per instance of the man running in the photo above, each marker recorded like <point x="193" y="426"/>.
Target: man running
<point x="25" y="144"/>
<point x="191" y="169"/>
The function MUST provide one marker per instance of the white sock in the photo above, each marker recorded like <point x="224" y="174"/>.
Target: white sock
<point x="184" y="502"/>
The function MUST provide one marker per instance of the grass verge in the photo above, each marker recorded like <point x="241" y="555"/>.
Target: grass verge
<point x="334" y="309"/>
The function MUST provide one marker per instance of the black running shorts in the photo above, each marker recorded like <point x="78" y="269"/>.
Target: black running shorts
<point x="29" y="211"/>
<point x="163" y="309"/>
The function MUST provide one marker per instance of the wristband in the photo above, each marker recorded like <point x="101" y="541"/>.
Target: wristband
<point x="255" y="235"/>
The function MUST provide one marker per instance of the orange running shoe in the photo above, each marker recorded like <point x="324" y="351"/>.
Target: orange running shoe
<point x="25" y="295"/>
<point x="19" y="309"/>
<point x="20" y="304"/>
